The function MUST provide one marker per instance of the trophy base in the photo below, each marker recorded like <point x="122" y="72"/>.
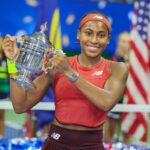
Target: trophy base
<point x="24" y="83"/>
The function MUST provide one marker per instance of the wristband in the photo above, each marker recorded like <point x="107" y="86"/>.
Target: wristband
<point x="12" y="67"/>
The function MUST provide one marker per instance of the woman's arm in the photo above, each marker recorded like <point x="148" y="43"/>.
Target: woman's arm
<point x="24" y="99"/>
<point x="106" y="98"/>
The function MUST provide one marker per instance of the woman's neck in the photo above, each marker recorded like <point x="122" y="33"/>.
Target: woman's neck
<point x="88" y="61"/>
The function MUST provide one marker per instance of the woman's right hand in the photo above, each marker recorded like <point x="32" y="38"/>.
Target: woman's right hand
<point x="9" y="46"/>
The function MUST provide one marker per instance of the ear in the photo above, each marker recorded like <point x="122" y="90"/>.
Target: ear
<point x="78" y="34"/>
<point x="108" y="39"/>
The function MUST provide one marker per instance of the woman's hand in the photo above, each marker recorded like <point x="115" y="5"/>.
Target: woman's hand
<point x="9" y="46"/>
<point x="60" y="62"/>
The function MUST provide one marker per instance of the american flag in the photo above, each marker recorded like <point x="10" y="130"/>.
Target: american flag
<point x="138" y="84"/>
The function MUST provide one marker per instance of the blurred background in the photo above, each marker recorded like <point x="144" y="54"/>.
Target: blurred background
<point x="21" y="17"/>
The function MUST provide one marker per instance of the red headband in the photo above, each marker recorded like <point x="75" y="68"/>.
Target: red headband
<point x="91" y="17"/>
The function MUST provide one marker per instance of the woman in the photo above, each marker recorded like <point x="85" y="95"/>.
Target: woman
<point x="86" y="87"/>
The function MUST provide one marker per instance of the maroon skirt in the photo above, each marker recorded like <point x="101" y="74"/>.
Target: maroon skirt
<point x="65" y="139"/>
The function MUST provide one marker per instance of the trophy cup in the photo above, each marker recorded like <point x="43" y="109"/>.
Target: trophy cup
<point x="30" y="60"/>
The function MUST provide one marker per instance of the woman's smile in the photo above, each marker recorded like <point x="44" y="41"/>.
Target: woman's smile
<point x="93" y="49"/>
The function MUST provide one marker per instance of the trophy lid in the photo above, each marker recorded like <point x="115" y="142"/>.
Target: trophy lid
<point x="39" y="38"/>
<point x="43" y="27"/>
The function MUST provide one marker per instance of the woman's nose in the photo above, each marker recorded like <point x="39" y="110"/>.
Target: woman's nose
<point x="94" y="39"/>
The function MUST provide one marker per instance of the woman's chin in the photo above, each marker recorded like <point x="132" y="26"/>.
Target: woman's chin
<point x="93" y="54"/>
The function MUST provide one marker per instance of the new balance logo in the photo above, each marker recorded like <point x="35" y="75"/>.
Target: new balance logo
<point x="97" y="73"/>
<point x="55" y="135"/>
<point x="98" y="17"/>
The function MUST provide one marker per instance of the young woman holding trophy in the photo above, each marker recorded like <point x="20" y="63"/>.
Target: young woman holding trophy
<point x="86" y="87"/>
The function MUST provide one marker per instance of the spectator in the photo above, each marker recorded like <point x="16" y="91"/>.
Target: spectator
<point x="4" y="88"/>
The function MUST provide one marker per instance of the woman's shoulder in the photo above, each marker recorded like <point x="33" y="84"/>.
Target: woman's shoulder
<point x="119" y="69"/>
<point x="116" y="64"/>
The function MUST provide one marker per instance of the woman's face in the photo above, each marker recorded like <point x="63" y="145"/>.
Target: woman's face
<point x="93" y="38"/>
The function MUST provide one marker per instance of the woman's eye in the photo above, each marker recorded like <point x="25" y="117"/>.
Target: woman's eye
<point x="101" y="35"/>
<point x="88" y="33"/>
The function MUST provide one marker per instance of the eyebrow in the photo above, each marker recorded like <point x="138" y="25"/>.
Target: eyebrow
<point x="92" y="29"/>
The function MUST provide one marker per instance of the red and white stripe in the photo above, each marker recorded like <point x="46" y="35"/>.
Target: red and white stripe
<point x="138" y="88"/>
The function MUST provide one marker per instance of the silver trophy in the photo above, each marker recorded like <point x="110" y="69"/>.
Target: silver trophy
<point x="30" y="60"/>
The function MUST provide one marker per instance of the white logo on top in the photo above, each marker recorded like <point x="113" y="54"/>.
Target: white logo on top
<point x="55" y="135"/>
<point x="98" y="17"/>
<point x="98" y="73"/>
